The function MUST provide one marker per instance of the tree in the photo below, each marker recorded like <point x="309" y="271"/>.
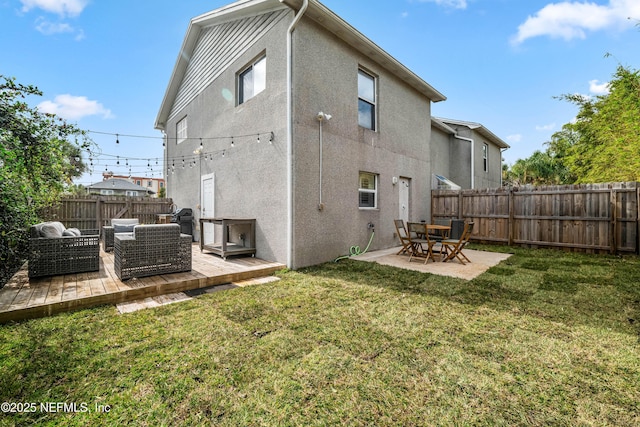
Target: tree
<point x="37" y="161"/>
<point x="603" y="144"/>
<point x="541" y="168"/>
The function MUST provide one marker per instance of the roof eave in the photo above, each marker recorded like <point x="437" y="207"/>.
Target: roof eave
<point x="316" y="11"/>
<point x="442" y="126"/>
<point x="233" y="11"/>
<point x="476" y="127"/>
<point x="347" y="33"/>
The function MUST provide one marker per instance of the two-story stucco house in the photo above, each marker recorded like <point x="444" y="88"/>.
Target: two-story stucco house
<point x="467" y="153"/>
<point x="283" y="112"/>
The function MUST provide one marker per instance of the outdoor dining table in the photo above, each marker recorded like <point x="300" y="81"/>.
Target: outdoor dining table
<point x="422" y="236"/>
<point x="435" y="227"/>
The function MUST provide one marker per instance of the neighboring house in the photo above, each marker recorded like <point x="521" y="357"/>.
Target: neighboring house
<point x="118" y="187"/>
<point x="466" y="153"/>
<point x="283" y="112"/>
<point x="153" y="184"/>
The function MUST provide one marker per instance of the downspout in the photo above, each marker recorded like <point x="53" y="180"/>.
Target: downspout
<point x="165" y="154"/>
<point x="292" y="27"/>
<point x="473" y="160"/>
<point x="502" y="150"/>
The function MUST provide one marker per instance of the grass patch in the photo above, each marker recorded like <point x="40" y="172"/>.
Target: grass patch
<point x="351" y="343"/>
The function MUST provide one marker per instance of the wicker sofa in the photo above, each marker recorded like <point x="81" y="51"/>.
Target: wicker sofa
<point x="118" y="225"/>
<point x="56" y="250"/>
<point x="151" y="250"/>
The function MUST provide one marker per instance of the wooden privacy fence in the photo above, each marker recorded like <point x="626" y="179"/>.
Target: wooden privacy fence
<point x="92" y="212"/>
<point x="590" y="217"/>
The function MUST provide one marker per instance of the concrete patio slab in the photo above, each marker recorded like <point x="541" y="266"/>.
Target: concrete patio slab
<point x="481" y="261"/>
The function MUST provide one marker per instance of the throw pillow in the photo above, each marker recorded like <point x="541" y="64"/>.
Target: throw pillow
<point x="123" y="228"/>
<point x="51" y="230"/>
<point x="72" y="232"/>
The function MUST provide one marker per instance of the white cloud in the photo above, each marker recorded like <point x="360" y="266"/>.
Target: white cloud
<point x="74" y="107"/>
<point x="456" y="4"/>
<point x="570" y="19"/>
<point x="597" y="88"/>
<point x="546" y="128"/>
<point x="514" y="138"/>
<point x="59" y="7"/>
<point x="48" y="28"/>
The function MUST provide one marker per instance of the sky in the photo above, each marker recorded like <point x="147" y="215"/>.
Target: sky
<point x="104" y="65"/>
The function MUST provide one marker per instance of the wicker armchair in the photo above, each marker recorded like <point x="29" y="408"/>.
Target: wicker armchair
<point x="151" y="250"/>
<point x="118" y="225"/>
<point x="77" y="252"/>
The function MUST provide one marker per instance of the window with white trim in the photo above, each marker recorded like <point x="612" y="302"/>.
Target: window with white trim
<point x="368" y="191"/>
<point x="366" y="100"/>
<point x="106" y="192"/>
<point x="131" y="193"/>
<point x="252" y="80"/>
<point x="181" y="130"/>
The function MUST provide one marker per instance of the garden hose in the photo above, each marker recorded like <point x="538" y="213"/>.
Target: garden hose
<point x="355" y="250"/>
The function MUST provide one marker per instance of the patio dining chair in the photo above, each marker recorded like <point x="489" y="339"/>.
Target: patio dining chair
<point x="423" y="244"/>
<point x="457" y="227"/>
<point x="453" y="247"/>
<point x="405" y="240"/>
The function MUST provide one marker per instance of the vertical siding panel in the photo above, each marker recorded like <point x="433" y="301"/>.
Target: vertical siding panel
<point x="217" y="48"/>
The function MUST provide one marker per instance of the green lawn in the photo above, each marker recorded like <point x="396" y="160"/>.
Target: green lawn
<point x="544" y="338"/>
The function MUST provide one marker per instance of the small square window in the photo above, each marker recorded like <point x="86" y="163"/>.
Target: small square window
<point x="252" y="80"/>
<point x="368" y="191"/>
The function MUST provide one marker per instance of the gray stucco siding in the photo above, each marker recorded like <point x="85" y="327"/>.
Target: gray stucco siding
<point x="250" y="179"/>
<point x="325" y="79"/>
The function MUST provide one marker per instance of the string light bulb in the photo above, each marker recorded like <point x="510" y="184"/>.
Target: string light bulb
<point x="117" y="139"/>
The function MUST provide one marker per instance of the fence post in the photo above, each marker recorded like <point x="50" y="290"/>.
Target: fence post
<point x="613" y="228"/>
<point x="460" y="203"/>
<point x="98" y="214"/>
<point x="637" y="239"/>
<point x="511" y="223"/>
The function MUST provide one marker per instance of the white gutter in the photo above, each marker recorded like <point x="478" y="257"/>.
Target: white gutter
<point x="473" y="161"/>
<point x="292" y="27"/>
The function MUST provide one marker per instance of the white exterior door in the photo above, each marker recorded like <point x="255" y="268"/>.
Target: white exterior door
<point x="403" y="202"/>
<point x="207" y="204"/>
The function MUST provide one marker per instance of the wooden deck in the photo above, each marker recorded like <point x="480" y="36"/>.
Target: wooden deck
<point x="24" y="298"/>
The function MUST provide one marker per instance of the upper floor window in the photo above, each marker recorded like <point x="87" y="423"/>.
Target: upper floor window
<point x="368" y="190"/>
<point x="485" y="157"/>
<point x="366" y="100"/>
<point x="181" y="130"/>
<point x="252" y="80"/>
